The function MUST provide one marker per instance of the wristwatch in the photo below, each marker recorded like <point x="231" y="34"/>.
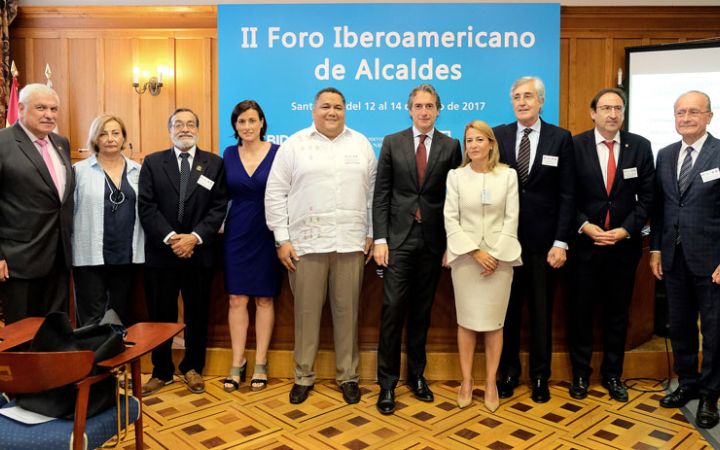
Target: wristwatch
<point x="279" y="244"/>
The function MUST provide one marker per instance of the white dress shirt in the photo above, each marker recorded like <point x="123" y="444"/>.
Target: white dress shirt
<point x="533" y="137"/>
<point x="604" y="152"/>
<point x="428" y="141"/>
<point x="697" y="146"/>
<point x="191" y="158"/>
<point x="319" y="192"/>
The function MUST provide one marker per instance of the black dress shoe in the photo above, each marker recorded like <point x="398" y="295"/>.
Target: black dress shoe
<point x="579" y="388"/>
<point x="540" y="391"/>
<point x="506" y="386"/>
<point x="351" y="392"/>
<point x="679" y="397"/>
<point x="707" y="413"/>
<point x="421" y="389"/>
<point x="299" y="393"/>
<point x="616" y="389"/>
<point x="386" y="401"/>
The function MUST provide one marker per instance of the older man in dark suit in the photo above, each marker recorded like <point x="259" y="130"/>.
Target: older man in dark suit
<point x="181" y="202"/>
<point x="615" y="178"/>
<point x="410" y="239"/>
<point x="36" y="207"/>
<point x="542" y="155"/>
<point x="685" y="251"/>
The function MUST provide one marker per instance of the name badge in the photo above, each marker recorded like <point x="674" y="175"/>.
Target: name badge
<point x="550" y="160"/>
<point x="710" y="175"/>
<point x="630" y="173"/>
<point x="485" y="197"/>
<point x="206" y="182"/>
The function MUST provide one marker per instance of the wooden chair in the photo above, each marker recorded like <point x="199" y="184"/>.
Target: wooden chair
<point x="30" y="372"/>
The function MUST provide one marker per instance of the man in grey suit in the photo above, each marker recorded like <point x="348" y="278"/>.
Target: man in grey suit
<point x="685" y="251"/>
<point x="36" y="207"/>
<point x="410" y="239"/>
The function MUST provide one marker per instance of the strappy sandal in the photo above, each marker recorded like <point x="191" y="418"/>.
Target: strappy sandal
<point x="229" y="384"/>
<point x="258" y="384"/>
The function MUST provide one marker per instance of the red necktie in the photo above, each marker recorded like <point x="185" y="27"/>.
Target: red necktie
<point x="611" y="168"/>
<point x="421" y="163"/>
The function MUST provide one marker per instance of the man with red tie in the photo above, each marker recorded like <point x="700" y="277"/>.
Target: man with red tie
<point x="613" y="194"/>
<point x="36" y="208"/>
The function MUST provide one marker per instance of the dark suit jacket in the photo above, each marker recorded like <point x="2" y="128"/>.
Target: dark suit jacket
<point x="547" y="208"/>
<point x="34" y="221"/>
<point x="695" y="215"/>
<point x="630" y="198"/>
<point x="158" y="197"/>
<point x="397" y="194"/>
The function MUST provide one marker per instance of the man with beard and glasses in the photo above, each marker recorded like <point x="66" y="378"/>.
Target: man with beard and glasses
<point x="182" y="203"/>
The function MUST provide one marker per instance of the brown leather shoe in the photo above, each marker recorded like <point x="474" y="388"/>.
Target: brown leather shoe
<point x="194" y="382"/>
<point x="153" y="385"/>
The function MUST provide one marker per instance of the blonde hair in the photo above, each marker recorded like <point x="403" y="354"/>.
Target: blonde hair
<point x="98" y="126"/>
<point x="485" y="130"/>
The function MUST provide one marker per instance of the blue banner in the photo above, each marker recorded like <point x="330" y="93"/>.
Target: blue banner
<point x="281" y="55"/>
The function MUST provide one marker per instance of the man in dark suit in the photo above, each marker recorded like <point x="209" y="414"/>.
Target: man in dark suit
<point x="410" y="239"/>
<point x="181" y="202"/>
<point x="36" y="207"/>
<point x="685" y="251"/>
<point x="615" y="178"/>
<point x="542" y="155"/>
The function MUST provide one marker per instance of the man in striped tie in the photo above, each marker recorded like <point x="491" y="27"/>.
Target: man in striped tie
<point x="542" y="155"/>
<point x="685" y="252"/>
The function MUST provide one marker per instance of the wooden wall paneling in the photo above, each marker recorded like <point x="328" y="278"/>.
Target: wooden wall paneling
<point x="618" y="58"/>
<point x="215" y="101"/>
<point x="154" y="111"/>
<point x="49" y="50"/>
<point x="564" y="80"/>
<point x="116" y="93"/>
<point x="83" y="80"/>
<point x="194" y="86"/>
<point x="17" y="54"/>
<point x="588" y="76"/>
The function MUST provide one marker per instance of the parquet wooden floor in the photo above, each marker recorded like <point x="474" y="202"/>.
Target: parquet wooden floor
<point x="176" y="419"/>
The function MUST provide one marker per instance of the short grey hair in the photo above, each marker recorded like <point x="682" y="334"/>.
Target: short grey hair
<point x="693" y="91"/>
<point x="537" y="84"/>
<point x="427" y="88"/>
<point x="30" y="90"/>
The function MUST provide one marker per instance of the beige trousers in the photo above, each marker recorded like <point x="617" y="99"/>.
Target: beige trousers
<point x="337" y="276"/>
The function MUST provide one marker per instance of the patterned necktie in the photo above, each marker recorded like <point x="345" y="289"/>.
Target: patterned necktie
<point x="45" y="152"/>
<point x="684" y="177"/>
<point x="523" y="159"/>
<point x="184" y="177"/>
<point x="611" y="169"/>
<point x="421" y="164"/>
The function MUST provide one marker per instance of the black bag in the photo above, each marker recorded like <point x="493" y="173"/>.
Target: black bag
<point x="56" y="335"/>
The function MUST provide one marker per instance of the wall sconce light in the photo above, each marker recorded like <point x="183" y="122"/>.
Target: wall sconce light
<point x="153" y="84"/>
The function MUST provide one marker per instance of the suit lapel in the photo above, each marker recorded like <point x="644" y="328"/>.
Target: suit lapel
<point x="408" y="155"/>
<point x="625" y="160"/>
<point x="510" y="146"/>
<point x="703" y="161"/>
<point x="592" y="158"/>
<point x="435" y="150"/>
<point x="32" y="153"/>
<point x="170" y="165"/>
<point x="673" y="168"/>
<point x="66" y="163"/>
<point x="197" y="169"/>
<point x="543" y="144"/>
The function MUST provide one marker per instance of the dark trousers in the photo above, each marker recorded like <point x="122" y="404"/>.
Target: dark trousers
<point x="534" y="280"/>
<point x="162" y="287"/>
<point x="99" y="288"/>
<point x="688" y="295"/>
<point x="36" y="297"/>
<point x="409" y="282"/>
<point x="605" y="280"/>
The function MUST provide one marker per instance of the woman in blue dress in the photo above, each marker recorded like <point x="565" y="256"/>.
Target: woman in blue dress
<point x="251" y="265"/>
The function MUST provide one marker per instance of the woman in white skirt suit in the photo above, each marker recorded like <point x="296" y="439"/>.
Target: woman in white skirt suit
<point x="481" y="220"/>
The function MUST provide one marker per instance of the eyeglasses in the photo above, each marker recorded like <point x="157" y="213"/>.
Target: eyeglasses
<point x="525" y="96"/>
<point x="689" y="112"/>
<point x="177" y="126"/>
<point x="608" y="108"/>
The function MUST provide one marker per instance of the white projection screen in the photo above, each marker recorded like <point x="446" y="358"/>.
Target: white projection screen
<point x="657" y="75"/>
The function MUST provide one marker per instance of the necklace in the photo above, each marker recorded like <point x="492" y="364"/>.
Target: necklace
<point x="116" y="197"/>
